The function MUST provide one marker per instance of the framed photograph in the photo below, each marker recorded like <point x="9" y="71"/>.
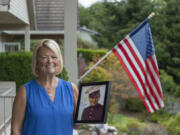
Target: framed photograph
<point x="92" y="106"/>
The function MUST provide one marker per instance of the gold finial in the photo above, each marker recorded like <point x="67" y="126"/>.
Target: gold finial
<point x="151" y="15"/>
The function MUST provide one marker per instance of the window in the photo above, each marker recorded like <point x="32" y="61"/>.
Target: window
<point x="11" y="46"/>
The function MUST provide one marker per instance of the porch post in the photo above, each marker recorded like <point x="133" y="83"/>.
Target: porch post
<point x="70" y="39"/>
<point x="27" y="38"/>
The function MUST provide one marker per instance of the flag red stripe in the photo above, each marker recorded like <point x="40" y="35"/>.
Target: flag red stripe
<point x="157" y="73"/>
<point x="153" y="61"/>
<point x="135" y="56"/>
<point x="137" y="75"/>
<point x="131" y="78"/>
<point x="153" y="79"/>
<point x="142" y="69"/>
<point x="155" y="67"/>
<point x="153" y="93"/>
<point x="152" y="90"/>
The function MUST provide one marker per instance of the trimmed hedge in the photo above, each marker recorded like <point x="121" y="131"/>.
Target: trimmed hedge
<point x="17" y="67"/>
<point x="89" y="53"/>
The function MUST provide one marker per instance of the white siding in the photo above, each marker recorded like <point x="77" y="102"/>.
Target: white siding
<point x="50" y="14"/>
<point x="19" y="9"/>
<point x="3" y="8"/>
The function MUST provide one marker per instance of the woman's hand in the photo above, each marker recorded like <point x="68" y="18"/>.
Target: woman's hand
<point x="75" y="93"/>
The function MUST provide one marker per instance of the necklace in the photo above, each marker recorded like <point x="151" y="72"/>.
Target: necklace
<point x="52" y="88"/>
<point x="50" y="94"/>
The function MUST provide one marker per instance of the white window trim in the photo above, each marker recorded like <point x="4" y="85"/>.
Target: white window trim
<point x="11" y="44"/>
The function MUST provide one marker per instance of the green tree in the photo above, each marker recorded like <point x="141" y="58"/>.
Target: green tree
<point x="172" y="12"/>
<point x="166" y="33"/>
<point x="84" y="16"/>
<point x="167" y="82"/>
<point x="114" y="20"/>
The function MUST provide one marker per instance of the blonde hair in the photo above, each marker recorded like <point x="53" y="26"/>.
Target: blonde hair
<point x="51" y="44"/>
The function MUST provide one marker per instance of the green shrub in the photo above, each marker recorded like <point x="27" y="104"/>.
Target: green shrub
<point x="167" y="82"/>
<point x="172" y="124"/>
<point x="123" y="123"/>
<point x="159" y="116"/>
<point x="177" y="93"/>
<point x="89" y="53"/>
<point x="154" y="118"/>
<point x="97" y="74"/>
<point x="17" y="67"/>
<point x="134" y="104"/>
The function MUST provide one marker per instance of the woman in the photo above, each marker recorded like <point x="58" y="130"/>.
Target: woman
<point x="47" y="104"/>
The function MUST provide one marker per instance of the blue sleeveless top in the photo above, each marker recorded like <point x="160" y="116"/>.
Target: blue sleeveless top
<point x="44" y="117"/>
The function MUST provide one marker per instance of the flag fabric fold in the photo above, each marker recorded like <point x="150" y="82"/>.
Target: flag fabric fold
<point x="137" y="56"/>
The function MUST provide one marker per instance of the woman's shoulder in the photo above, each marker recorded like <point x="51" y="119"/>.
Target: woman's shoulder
<point x="68" y="83"/>
<point x="21" y="94"/>
<point x="29" y="83"/>
<point x="64" y="81"/>
<point x="29" y="86"/>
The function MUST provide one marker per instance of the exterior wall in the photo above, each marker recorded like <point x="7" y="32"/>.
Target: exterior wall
<point x="4" y="5"/>
<point x="3" y="8"/>
<point x="53" y="18"/>
<point x="19" y="9"/>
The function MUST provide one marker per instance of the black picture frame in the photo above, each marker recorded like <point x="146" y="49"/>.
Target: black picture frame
<point x="93" y="100"/>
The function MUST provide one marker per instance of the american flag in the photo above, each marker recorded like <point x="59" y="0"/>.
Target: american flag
<point x="137" y="56"/>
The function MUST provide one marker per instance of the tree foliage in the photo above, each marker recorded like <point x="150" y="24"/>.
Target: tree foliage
<point x="114" y="20"/>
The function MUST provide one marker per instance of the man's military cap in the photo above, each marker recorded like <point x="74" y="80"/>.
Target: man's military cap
<point x="95" y="94"/>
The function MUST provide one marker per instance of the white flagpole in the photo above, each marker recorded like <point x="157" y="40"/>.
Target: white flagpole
<point x="149" y="17"/>
<point x="95" y="65"/>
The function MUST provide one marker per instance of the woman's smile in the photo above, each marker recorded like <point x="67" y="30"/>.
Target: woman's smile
<point x="47" y="61"/>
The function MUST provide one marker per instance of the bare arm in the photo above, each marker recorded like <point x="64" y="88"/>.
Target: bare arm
<point x="18" y="111"/>
<point x="75" y="93"/>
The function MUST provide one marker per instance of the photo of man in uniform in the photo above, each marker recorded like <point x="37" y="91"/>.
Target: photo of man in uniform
<point x="95" y="110"/>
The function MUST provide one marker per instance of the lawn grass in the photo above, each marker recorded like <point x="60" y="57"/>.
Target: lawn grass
<point x="123" y="123"/>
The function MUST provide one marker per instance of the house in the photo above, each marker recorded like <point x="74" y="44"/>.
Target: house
<point x="86" y="34"/>
<point x="37" y="19"/>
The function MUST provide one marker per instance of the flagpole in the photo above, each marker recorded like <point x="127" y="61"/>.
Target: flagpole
<point x="95" y="65"/>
